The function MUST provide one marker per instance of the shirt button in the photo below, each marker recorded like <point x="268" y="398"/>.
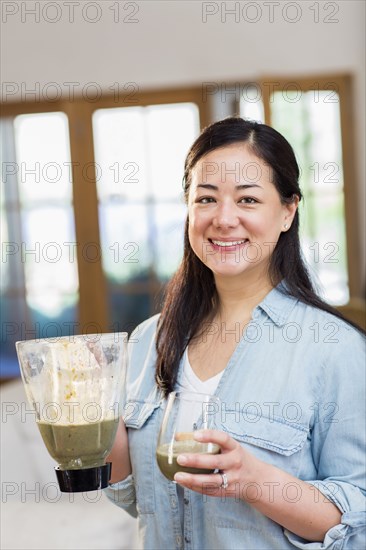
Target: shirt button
<point x="179" y="540"/>
<point x="186" y="501"/>
<point x="187" y="540"/>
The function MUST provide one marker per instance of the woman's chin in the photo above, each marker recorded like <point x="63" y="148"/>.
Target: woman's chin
<point x="232" y="270"/>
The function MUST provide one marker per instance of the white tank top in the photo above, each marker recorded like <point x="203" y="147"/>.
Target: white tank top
<point x="191" y="382"/>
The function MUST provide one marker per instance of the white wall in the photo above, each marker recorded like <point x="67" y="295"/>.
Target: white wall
<point x="171" y="45"/>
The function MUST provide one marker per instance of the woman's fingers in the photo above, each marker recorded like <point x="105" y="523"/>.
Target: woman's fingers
<point x="237" y="466"/>
<point x="226" y="442"/>
<point x="230" y="462"/>
<point x="206" y="461"/>
<point x="221" y="461"/>
<point x="208" y="484"/>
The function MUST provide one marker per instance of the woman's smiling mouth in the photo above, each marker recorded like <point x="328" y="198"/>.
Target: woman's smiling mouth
<point x="228" y="244"/>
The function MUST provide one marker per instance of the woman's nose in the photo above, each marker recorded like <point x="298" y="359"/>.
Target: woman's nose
<point x="226" y="216"/>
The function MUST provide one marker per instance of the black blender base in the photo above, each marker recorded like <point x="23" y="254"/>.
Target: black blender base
<point x="89" y="479"/>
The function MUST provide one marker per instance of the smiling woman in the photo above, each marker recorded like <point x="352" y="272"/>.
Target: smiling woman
<point x="234" y="222"/>
<point x="251" y="330"/>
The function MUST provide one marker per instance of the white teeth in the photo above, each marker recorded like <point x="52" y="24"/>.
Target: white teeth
<point x="228" y="243"/>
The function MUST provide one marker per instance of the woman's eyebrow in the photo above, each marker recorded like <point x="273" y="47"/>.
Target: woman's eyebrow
<point x="237" y="187"/>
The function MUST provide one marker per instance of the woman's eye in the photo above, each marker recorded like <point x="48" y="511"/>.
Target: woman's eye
<point x="248" y="200"/>
<point x="205" y="200"/>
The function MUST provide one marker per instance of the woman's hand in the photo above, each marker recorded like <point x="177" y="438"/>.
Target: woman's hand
<point x="310" y="515"/>
<point x="241" y="468"/>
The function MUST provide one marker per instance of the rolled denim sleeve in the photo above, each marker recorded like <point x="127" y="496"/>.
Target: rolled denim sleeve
<point x="348" y="535"/>
<point x="338" y="445"/>
<point x="123" y="495"/>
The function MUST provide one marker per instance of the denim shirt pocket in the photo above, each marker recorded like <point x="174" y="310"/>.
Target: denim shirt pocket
<point x="141" y="419"/>
<point x="273" y="440"/>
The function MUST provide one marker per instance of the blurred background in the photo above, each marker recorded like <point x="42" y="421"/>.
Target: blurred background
<point x="100" y="102"/>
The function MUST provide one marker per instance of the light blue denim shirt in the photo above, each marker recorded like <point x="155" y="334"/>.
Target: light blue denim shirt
<point x="293" y="394"/>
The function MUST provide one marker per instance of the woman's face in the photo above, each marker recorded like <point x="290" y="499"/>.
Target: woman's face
<point x="235" y="213"/>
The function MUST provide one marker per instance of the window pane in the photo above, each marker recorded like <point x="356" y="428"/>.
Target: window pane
<point x="325" y="145"/>
<point x="5" y="251"/>
<point x="140" y="151"/>
<point x="125" y="240"/>
<point x="13" y="328"/>
<point x="151" y="143"/>
<point x="311" y="123"/>
<point x="170" y="220"/>
<point x="43" y="157"/>
<point x="120" y="152"/>
<point x="48" y="239"/>
<point x="171" y="131"/>
<point x="40" y="294"/>
<point x="127" y="310"/>
<point x="49" y="258"/>
<point x="9" y="200"/>
<point x="52" y="325"/>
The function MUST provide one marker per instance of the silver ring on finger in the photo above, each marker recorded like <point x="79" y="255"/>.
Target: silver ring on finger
<point x="225" y="483"/>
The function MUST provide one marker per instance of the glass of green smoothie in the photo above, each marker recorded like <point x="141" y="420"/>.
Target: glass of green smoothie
<point x="75" y="385"/>
<point x="186" y="412"/>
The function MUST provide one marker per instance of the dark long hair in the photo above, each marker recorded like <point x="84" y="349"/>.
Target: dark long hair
<point x="191" y="298"/>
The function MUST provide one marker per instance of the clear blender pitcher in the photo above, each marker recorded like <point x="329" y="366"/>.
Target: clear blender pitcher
<point x="75" y="386"/>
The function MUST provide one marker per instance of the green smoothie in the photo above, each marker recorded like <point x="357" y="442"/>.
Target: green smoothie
<point x="76" y="446"/>
<point x="166" y="456"/>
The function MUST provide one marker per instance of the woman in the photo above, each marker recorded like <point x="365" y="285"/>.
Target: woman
<point x="241" y="319"/>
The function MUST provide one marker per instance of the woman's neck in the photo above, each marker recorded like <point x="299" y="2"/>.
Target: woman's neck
<point x="237" y="299"/>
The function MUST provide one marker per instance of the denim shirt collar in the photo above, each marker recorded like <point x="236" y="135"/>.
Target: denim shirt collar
<point x="277" y="305"/>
